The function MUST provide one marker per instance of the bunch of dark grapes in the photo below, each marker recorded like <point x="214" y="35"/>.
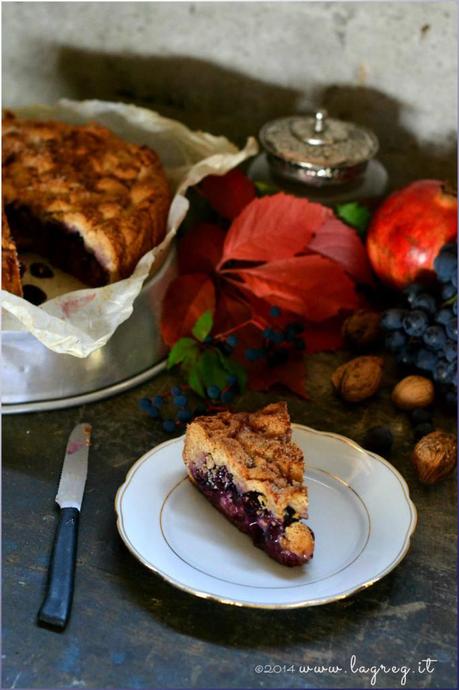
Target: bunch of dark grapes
<point x="423" y="334"/>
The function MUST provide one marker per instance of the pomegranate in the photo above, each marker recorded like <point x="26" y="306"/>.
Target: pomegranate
<point x="409" y="229"/>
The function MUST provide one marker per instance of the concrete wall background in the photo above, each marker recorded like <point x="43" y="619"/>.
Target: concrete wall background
<point x="227" y="67"/>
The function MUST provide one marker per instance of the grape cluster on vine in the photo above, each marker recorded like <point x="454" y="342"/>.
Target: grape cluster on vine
<point x="423" y="333"/>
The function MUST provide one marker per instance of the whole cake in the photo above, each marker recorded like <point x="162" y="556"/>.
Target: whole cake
<point x="248" y="467"/>
<point x="90" y="202"/>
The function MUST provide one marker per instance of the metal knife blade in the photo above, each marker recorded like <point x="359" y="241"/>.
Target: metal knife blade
<point x="75" y="468"/>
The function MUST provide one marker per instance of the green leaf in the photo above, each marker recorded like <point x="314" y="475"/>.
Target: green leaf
<point x="203" y="326"/>
<point x="185" y="350"/>
<point x="232" y="367"/>
<point x="211" y="370"/>
<point x="354" y="214"/>
<point x="195" y="381"/>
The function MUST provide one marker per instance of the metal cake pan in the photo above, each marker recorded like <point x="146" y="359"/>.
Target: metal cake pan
<point x="36" y="378"/>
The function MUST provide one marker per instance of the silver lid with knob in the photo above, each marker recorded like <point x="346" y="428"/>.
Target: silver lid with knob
<point x="318" y="150"/>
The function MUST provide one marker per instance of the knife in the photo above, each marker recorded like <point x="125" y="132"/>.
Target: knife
<point x="56" y="606"/>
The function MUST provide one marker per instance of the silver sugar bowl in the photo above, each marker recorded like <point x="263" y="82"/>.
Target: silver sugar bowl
<point x="320" y="157"/>
<point x="318" y="150"/>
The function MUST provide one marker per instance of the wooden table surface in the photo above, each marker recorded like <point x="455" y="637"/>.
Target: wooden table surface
<point x="130" y="629"/>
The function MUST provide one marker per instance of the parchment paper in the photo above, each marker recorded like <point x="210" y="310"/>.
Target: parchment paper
<point x="80" y="322"/>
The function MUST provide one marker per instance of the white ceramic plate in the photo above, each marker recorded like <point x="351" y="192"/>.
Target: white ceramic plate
<point x="359" y="508"/>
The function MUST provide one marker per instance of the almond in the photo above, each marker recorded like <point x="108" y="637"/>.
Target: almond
<point x="412" y="392"/>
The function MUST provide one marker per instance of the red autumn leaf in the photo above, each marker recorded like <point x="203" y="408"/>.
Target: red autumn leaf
<point x="228" y="194"/>
<point x="272" y="228"/>
<point x="312" y="286"/>
<point x="338" y="241"/>
<point x="231" y="311"/>
<point x="186" y="299"/>
<point x="323" y="337"/>
<point x="291" y="374"/>
<point x="200" y="249"/>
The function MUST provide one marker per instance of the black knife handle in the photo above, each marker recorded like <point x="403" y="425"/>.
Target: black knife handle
<point x="55" y="609"/>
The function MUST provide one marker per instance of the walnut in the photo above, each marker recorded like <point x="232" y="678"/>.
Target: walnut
<point x="412" y="392"/>
<point x="435" y="456"/>
<point x="358" y="379"/>
<point x="361" y="329"/>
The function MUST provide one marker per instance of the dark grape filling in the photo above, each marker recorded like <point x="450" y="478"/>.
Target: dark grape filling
<point x="246" y="512"/>
<point x="34" y="294"/>
<point x="41" y="270"/>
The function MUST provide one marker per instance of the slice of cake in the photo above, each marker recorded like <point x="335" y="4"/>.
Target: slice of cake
<point x="84" y="198"/>
<point x="248" y="468"/>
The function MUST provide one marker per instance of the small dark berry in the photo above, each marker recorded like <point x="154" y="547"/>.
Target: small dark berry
<point x="275" y="312"/>
<point x="158" y="400"/>
<point x="405" y="356"/>
<point x="41" y="270"/>
<point x="379" y="439"/>
<point x="444" y="371"/>
<point x="423" y="429"/>
<point x="445" y="265"/>
<point x="169" y="425"/>
<point x="421" y="415"/>
<point x="415" y="322"/>
<point x="395" y="340"/>
<point x="213" y="392"/>
<point x="180" y="400"/>
<point x="252" y="354"/>
<point x="426" y="359"/>
<point x="450" y="351"/>
<point x="412" y="291"/>
<point x="435" y="337"/>
<point x="425" y="302"/>
<point x="448" y="291"/>
<point x="277" y="337"/>
<point x="443" y="316"/>
<point x="34" y="294"/>
<point x="451" y="329"/>
<point x="227" y="396"/>
<point x="267" y="333"/>
<point x="391" y="319"/>
<point x="145" y="404"/>
<point x="184" y="415"/>
<point x="231" y="340"/>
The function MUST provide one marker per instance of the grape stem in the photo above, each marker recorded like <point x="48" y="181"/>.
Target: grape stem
<point x="450" y="301"/>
